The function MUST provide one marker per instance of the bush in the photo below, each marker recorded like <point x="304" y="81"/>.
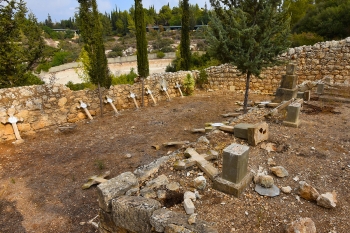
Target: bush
<point x="60" y="58"/>
<point x="160" y="54"/>
<point x="305" y="38"/>
<point x="114" y="54"/>
<point x="31" y="79"/>
<point x="203" y="78"/>
<point x="188" y="85"/>
<point x="124" y="78"/>
<point x="79" y="86"/>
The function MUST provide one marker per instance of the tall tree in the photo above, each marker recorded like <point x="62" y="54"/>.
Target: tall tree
<point x="185" y="53"/>
<point x="141" y="45"/>
<point x="249" y="34"/>
<point x="21" y="45"/>
<point x="91" y="31"/>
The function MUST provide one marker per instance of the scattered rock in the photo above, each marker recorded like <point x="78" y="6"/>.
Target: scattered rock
<point x="203" y="139"/>
<point x="128" y="156"/>
<point x="308" y="192"/>
<point x="157" y="182"/>
<point x="179" y="165"/>
<point x="192" y="219"/>
<point x="190" y="195"/>
<point x="268" y="146"/>
<point x="161" y="194"/>
<point x="189" y="206"/>
<point x="270" y="192"/>
<point x="173" y="186"/>
<point x="266" y="181"/>
<point x="302" y="225"/>
<point x="286" y="190"/>
<point x="327" y="200"/>
<point x="261" y="172"/>
<point x="279" y="171"/>
<point x="200" y="183"/>
<point x="271" y="162"/>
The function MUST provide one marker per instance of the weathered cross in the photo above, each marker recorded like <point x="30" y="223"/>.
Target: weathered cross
<point x="96" y="180"/>
<point x="164" y="88"/>
<point x="201" y="161"/>
<point x="13" y="120"/>
<point x="110" y="101"/>
<point x="133" y="96"/>
<point x="178" y="86"/>
<point x="149" y="92"/>
<point x="84" y="106"/>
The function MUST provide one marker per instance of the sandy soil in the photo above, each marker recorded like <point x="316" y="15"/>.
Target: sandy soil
<point x="41" y="179"/>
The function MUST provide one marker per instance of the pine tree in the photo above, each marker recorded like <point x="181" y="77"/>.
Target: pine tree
<point x="141" y="45"/>
<point x="249" y="34"/>
<point x="185" y="53"/>
<point x="91" y="31"/>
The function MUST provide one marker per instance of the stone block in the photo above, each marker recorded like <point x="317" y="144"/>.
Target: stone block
<point x="258" y="133"/>
<point x="284" y="94"/>
<point x="291" y="68"/>
<point x="292" y="119"/>
<point x="320" y="89"/>
<point x="289" y="81"/>
<point x="228" y="187"/>
<point x="300" y="95"/>
<point x="115" y="187"/>
<point x="189" y="206"/>
<point x="307" y="95"/>
<point x="134" y="213"/>
<point x="164" y="220"/>
<point x="241" y="130"/>
<point x="227" y="128"/>
<point x="235" y="162"/>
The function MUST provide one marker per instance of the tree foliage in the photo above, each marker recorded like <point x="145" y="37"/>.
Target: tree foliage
<point x="185" y="62"/>
<point x="21" y="45"/>
<point x="249" y="34"/>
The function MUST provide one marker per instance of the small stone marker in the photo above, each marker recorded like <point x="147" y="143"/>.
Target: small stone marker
<point x="164" y="87"/>
<point x="133" y="96"/>
<point x="96" y="180"/>
<point x="84" y="106"/>
<point x="293" y="111"/>
<point x="149" y="92"/>
<point x="235" y="176"/>
<point x="241" y="130"/>
<point x="178" y="86"/>
<point x="307" y="95"/>
<point x="320" y="88"/>
<point x="13" y="120"/>
<point x="110" y="101"/>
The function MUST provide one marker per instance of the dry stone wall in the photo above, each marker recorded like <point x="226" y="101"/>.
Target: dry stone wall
<point x="329" y="59"/>
<point x="44" y="106"/>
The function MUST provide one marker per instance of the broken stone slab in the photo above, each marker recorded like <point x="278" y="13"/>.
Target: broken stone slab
<point x="258" y="133"/>
<point x="115" y="187"/>
<point x="327" y="200"/>
<point x="198" y="130"/>
<point x="134" y="213"/>
<point x="176" y="143"/>
<point x="307" y="192"/>
<point x="189" y="206"/>
<point x="231" y="114"/>
<point x="227" y="128"/>
<point x="301" y="225"/>
<point x="190" y="195"/>
<point x="145" y="171"/>
<point x="164" y="220"/>
<point x="186" y="163"/>
<point x="241" y="130"/>
<point x="269" y="192"/>
<point x="157" y="182"/>
<point x="96" y="179"/>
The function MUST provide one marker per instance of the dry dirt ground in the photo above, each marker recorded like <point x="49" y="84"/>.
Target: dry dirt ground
<point x="41" y="179"/>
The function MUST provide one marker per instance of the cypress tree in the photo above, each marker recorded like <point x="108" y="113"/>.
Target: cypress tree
<point x="249" y="34"/>
<point x="141" y="45"/>
<point x="185" y="53"/>
<point x="91" y="31"/>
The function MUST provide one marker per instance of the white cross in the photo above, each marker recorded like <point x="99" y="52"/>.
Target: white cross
<point x="133" y="96"/>
<point x="110" y="101"/>
<point x="13" y="120"/>
<point x="178" y="86"/>
<point x="149" y="92"/>
<point x="84" y="106"/>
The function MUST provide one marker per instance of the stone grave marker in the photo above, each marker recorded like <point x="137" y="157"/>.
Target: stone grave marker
<point x="288" y="88"/>
<point x="258" y="133"/>
<point x="133" y="96"/>
<point x="235" y="175"/>
<point x="110" y="101"/>
<point x="96" y="179"/>
<point x="178" y="86"/>
<point x="293" y="111"/>
<point x="149" y="92"/>
<point x="320" y="88"/>
<point x="84" y="106"/>
<point x="164" y="87"/>
<point x="13" y="120"/>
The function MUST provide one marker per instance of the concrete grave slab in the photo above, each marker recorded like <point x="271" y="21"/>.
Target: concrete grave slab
<point x="258" y="133"/>
<point x="241" y="130"/>
<point x="292" y="119"/>
<point x="235" y="162"/>
<point x="235" y="189"/>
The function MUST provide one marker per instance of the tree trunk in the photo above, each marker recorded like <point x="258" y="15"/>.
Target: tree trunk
<point x="100" y="97"/>
<point x="245" y="104"/>
<point x="143" y="91"/>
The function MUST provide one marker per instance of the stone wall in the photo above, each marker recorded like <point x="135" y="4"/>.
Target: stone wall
<point x="44" y="106"/>
<point x="329" y="59"/>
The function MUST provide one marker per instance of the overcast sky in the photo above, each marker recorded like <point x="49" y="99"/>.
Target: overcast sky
<point x="63" y="9"/>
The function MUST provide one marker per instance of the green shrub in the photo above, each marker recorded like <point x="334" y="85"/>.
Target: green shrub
<point x="160" y="54"/>
<point x="188" y="85"/>
<point x="305" y="38"/>
<point x="31" y="79"/>
<point x="202" y="79"/>
<point x="79" y="86"/>
<point x="114" y="54"/>
<point x="43" y="66"/>
<point x="60" y="58"/>
<point x="124" y="78"/>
